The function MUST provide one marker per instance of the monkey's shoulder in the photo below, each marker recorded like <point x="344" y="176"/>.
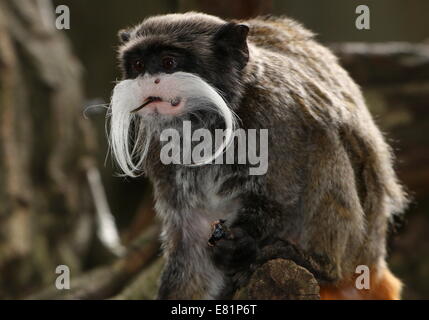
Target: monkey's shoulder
<point x="276" y="32"/>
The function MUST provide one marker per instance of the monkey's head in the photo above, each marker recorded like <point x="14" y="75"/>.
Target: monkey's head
<point x="175" y="67"/>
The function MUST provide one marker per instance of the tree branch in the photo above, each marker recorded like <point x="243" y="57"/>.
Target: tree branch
<point x="384" y="63"/>
<point x="106" y="281"/>
<point x="280" y="279"/>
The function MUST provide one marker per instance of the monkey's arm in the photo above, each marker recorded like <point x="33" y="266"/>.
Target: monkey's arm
<point x="183" y="275"/>
<point x="172" y="285"/>
<point x="253" y="240"/>
<point x="189" y="273"/>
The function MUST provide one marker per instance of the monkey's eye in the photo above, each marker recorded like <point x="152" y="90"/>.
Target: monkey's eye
<point x="169" y="63"/>
<point x="138" y="65"/>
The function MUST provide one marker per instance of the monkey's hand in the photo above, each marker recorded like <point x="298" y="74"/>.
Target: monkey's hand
<point x="232" y="249"/>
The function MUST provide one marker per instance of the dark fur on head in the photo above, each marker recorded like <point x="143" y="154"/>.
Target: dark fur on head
<point x="204" y="45"/>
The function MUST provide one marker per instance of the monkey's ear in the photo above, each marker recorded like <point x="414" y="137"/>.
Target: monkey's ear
<point x="124" y="35"/>
<point x="232" y="38"/>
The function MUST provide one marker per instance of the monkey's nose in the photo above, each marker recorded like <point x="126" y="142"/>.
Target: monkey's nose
<point x="157" y="80"/>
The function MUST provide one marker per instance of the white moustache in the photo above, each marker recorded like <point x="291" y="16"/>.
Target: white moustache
<point x="166" y="94"/>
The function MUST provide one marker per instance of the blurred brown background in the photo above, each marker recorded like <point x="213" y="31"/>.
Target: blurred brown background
<point x="398" y="98"/>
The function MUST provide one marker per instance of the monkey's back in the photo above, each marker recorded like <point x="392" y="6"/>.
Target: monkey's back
<point x="328" y="162"/>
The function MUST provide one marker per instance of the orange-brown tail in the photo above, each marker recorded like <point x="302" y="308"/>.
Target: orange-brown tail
<point x="383" y="286"/>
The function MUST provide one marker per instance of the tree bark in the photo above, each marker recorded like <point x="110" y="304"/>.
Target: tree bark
<point x="46" y="213"/>
<point x="280" y="279"/>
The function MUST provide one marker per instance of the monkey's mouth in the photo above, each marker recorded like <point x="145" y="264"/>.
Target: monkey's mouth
<point x="174" y="102"/>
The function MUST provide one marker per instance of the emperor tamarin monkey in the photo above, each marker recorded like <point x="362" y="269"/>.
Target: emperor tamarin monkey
<point x="329" y="192"/>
